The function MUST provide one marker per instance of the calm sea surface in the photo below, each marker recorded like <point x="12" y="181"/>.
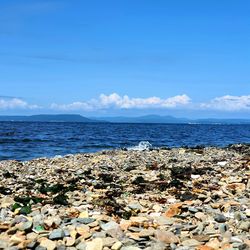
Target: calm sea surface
<point x="27" y="140"/>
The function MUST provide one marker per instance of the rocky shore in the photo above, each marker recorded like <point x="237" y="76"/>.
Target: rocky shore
<point x="182" y="198"/>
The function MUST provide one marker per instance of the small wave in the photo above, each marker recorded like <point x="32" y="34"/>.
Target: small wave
<point x="143" y="145"/>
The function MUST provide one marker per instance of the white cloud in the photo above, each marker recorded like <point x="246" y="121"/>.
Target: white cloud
<point x="71" y="106"/>
<point x="15" y="103"/>
<point x="228" y="103"/>
<point x="124" y="102"/>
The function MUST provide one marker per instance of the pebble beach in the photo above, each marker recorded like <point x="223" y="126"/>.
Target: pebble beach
<point x="179" y="198"/>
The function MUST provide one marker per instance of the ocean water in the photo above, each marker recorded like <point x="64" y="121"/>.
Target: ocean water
<point x="28" y="140"/>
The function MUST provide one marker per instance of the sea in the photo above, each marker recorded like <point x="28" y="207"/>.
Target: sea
<point x="28" y="140"/>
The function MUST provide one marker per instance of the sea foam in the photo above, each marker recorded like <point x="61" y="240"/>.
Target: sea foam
<point x="143" y="145"/>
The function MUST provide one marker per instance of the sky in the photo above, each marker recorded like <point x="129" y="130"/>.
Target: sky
<point x="127" y="57"/>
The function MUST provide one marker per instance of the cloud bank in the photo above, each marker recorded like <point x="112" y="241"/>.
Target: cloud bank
<point x="226" y="103"/>
<point x="124" y="102"/>
<point x="15" y="103"/>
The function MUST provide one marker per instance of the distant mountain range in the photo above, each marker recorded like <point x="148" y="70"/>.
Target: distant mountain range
<point x="47" y="118"/>
<point x="120" y="119"/>
<point x="144" y="119"/>
<point x="171" y="119"/>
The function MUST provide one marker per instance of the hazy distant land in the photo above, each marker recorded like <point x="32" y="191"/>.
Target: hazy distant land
<point x="120" y="119"/>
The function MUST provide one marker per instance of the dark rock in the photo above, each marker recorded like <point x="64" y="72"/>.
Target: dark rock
<point x="220" y="218"/>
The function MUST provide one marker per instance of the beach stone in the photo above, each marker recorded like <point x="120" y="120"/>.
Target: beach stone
<point x="40" y="248"/>
<point x="125" y="224"/>
<point x="17" y="238"/>
<point x="109" y="226"/>
<point x="31" y="244"/>
<point x="31" y="236"/>
<point x="193" y="210"/>
<point x="70" y="241"/>
<point x="117" y="246"/>
<point x="162" y="220"/>
<point x="48" y="244"/>
<point x="38" y="220"/>
<point x="222" y="163"/>
<point x="81" y="246"/>
<point x="214" y="244"/>
<point x="190" y="243"/>
<point x="135" y="206"/>
<point x="146" y="233"/>
<point x="82" y="229"/>
<point x="134" y="229"/>
<point x="200" y="216"/>
<point x="47" y="222"/>
<point x="203" y="247"/>
<point x="223" y="228"/>
<point x="24" y="226"/>
<point x="201" y="238"/>
<point x="173" y="210"/>
<point x="158" y="246"/>
<point x="220" y="218"/>
<point x="101" y="234"/>
<point x="138" y="219"/>
<point x="86" y="220"/>
<point x="3" y="244"/>
<point x="56" y="234"/>
<point x="247" y="212"/>
<point x="6" y="202"/>
<point x="245" y="226"/>
<point x="61" y="247"/>
<point x="84" y="214"/>
<point x="115" y="233"/>
<point x="166" y="237"/>
<point x="130" y="248"/>
<point x="236" y="239"/>
<point x="157" y="208"/>
<point x="108" y="241"/>
<point x="95" y="244"/>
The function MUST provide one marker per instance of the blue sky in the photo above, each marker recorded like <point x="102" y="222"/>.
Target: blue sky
<point x="127" y="57"/>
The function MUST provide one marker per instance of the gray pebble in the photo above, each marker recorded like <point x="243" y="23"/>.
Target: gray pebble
<point x="56" y="234"/>
<point x="220" y="218"/>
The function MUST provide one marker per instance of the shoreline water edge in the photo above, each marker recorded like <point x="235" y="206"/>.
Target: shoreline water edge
<point x="154" y="199"/>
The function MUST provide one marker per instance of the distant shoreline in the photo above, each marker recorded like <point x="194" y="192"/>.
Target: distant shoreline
<point x="150" y="119"/>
